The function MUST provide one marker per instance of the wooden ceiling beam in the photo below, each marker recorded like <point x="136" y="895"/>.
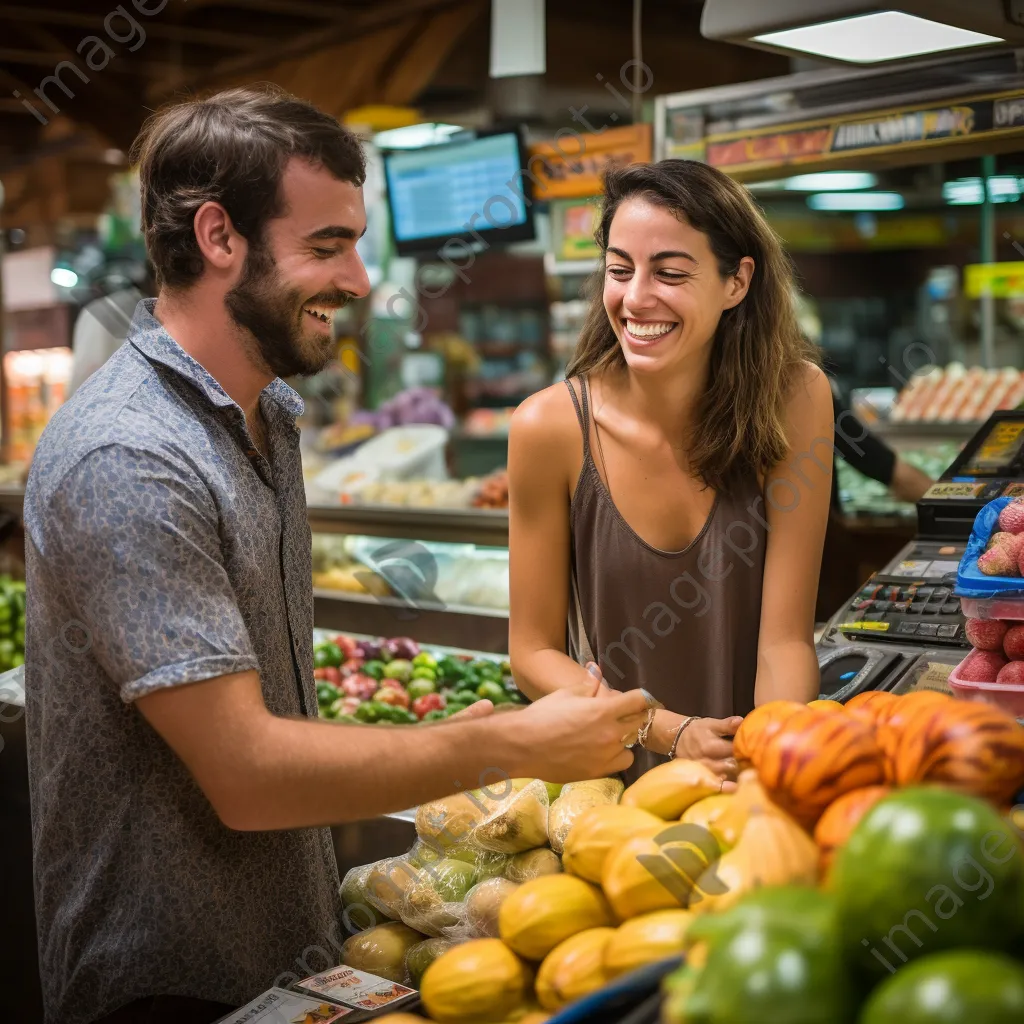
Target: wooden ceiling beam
<point x="294" y="8"/>
<point x="157" y="29"/>
<point x="380" y="16"/>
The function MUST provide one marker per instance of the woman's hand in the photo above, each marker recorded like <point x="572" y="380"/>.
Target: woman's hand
<point x="709" y="740"/>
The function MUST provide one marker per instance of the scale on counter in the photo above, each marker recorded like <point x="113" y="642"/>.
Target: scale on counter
<point x="904" y="629"/>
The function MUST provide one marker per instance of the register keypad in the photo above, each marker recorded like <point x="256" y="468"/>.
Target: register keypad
<point x="902" y="611"/>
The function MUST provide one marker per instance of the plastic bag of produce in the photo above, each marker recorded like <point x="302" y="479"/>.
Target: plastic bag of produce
<point x="422" y="955"/>
<point x="483" y="904"/>
<point x="517" y="823"/>
<point x="381" y="950"/>
<point x="448" y="822"/>
<point x="387" y="884"/>
<point x="532" y="864"/>
<point x="435" y="900"/>
<point x="359" y="912"/>
<point x="487" y="863"/>
<point x="575" y="798"/>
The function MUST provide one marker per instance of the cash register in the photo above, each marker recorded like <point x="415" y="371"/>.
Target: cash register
<point x="904" y="629"/>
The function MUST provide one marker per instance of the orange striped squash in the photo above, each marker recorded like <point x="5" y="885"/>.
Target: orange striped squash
<point x="841" y="818"/>
<point x="871" y="707"/>
<point x="816" y="758"/>
<point x="898" y="716"/>
<point x="973" y="748"/>
<point x="762" y="722"/>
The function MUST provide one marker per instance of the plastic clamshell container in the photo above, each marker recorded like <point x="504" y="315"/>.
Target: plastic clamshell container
<point x="1007" y="696"/>
<point x="972" y="585"/>
<point x="1010" y="608"/>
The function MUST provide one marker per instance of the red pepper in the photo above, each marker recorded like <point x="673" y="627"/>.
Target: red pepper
<point x="357" y="685"/>
<point x="428" y="702"/>
<point x="389" y="695"/>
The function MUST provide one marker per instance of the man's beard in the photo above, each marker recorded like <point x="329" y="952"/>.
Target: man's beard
<point x="262" y="305"/>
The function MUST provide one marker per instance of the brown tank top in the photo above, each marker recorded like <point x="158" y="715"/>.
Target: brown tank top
<point x="681" y="624"/>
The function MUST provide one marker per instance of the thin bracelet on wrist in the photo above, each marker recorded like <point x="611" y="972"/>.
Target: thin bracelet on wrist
<point x="641" y="736"/>
<point x="679" y="733"/>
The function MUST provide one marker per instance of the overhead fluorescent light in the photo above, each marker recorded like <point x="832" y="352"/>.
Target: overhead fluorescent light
<point x="830" y="181"/>
<point x="63" y="278"/>
<point x="864" y="31"/>
<point x="1002" y="188"/>
<point x="874" y="38"/>
<point x="415" y="136"/>
<point x="856" y="201"/>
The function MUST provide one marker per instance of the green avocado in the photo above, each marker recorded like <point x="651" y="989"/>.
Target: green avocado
<point x="963" y="985"/>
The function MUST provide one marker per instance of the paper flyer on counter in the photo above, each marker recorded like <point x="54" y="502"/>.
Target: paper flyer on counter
<point x="357" y="989"/>
<point x="278" y="1006"/>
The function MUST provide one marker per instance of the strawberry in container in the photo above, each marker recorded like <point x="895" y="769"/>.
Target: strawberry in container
<point x="991" y="591"/>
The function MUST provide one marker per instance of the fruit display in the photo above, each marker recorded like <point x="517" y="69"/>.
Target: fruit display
<point x="12" y="623"/>
<point x="862" y="864"/>
<point x="955" y="394"/>
<point x="394" y="682"/>
<point x="493" y="491"/>
<point x="413" y="405"/>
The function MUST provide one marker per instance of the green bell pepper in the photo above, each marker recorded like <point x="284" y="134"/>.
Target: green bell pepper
<point x="326" y="693"/>
<point x="327" y="655"/>
<point x="374" y="669"/>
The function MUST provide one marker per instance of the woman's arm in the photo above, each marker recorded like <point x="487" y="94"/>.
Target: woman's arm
<point x="797" y="496"/>
<point x="544" y="455"/>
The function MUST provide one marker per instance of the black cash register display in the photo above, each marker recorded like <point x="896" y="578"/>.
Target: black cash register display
<point x="990" y="466"/>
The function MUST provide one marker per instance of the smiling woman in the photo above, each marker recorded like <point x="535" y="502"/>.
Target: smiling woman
<point x="664" y="487"/>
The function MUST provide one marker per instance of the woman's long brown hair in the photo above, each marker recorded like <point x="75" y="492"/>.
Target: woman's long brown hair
<point x="758" y="350"/>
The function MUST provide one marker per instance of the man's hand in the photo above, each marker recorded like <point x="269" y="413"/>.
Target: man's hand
<point x="569" y="736"/>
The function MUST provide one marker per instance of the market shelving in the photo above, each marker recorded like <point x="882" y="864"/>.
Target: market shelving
<point x="448" y="626"/>
<point x="472" y="526"/>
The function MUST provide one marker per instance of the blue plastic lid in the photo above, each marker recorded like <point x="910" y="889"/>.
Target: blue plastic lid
<point x="970" y="581"/>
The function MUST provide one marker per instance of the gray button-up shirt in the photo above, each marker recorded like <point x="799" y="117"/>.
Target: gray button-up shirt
<point x="162" y="549"/>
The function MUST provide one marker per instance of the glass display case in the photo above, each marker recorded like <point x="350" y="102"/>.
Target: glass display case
<point x="440" y="576"/>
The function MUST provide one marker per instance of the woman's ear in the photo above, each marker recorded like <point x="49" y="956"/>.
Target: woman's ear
<point x="737" y="285"/>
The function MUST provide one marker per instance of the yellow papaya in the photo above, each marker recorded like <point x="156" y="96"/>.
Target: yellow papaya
<point x="545" y="911"/>
<point x="477" y="980"/>
<point x="573" y="969"/>
<point x="597" y="831"/>
<point x="773" y="850"/>
<point x="656" y="872"/>
<point x="668" y="789"/>
<point x="706" y="813"/>
<point x="645" y="940"/>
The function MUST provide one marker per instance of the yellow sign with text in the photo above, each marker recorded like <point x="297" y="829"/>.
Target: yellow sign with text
<point x="1000" y="280"/>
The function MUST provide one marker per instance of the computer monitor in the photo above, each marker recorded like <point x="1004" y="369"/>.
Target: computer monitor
<point x="468" y="190"/>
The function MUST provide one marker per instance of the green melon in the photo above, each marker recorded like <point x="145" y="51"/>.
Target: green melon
<point x="921" y="873"/>
<point x="964" y="985"/>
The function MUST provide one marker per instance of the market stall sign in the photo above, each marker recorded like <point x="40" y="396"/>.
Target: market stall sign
<point x="572" y="164"/>
<point x="573" y="224"/>
<point x="964" y="492"/>
<point x="1000" y="280"/>
<point x="886" y="131"/>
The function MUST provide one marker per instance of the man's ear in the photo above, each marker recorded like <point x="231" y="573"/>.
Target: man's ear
<point x="222" y="247"/>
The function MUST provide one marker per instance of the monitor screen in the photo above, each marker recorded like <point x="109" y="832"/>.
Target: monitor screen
<point x="458" y="189"/>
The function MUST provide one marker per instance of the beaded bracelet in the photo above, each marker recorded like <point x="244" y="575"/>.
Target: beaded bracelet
<point x="679" y="732"/>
